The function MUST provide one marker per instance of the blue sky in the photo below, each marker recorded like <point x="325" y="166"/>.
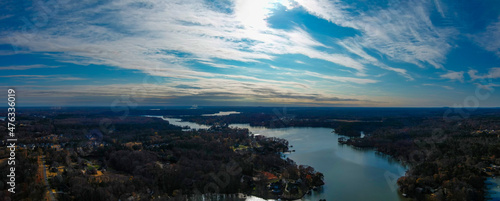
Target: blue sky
<point x="256" y="53"/>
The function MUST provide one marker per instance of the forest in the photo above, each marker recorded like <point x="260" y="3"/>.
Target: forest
<point x="448" y="159"/>
<point x="98" y="154"/>
<point x="142" y="158"/>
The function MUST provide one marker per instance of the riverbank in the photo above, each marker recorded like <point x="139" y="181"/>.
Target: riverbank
<point x="449" y="160"/>
<point x="270" y="176"/>
<point x="350" y="174"/>
<point x="344" y="168"/>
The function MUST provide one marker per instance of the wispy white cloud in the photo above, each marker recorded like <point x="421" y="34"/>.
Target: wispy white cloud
<point x="218" y="65"/>
<point x="439" y="8"/>
<point x="493" y="73"/>
<point x="333" y="11"/>
<point x="164" y="38"/>
<point x="333" y="78"/>
<point x="299" y="62"/>
<point x="169" y="33"/>
<point x="488" y="87"/>
<point x="490" y="38"/>
<point x="355" y="48"/>
<point x="452" y="75"/>
<point x="402" y="32"/>
<point x="201" y="90"/>
<point x="341" y="79"/>
<point x="436" y="85"/>
<point x="485" y="81"/>
<point x="171" y="39"/>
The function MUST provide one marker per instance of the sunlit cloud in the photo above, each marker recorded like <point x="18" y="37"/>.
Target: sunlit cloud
<point x="198" y="91"/>
<point x="233" y="50"/>
<point x="155" y="35"/>
<point x="402" y="32"/>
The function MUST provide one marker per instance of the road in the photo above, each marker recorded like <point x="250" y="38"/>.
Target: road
<point x="48" y="195"/>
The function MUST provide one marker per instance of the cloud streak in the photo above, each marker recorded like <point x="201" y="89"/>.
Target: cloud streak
<point x="436" y="85"/>
<point x="489" y="39"/>
<point x="235" y="49"/>
<point x="493" y="73"/>
<point x="165" y="38"/>
<point x="199" y="91"/>
<point x="44" y="77"/>
<point x="401" y="32"/>
<point x="26" y="67"/>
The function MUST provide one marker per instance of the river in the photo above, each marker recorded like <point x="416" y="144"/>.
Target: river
<point x="350" y="173"/>
<point x="493" y="189"/>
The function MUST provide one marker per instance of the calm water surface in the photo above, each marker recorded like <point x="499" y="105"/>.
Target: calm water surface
<point x="350" y="173"/>
<point x="493" y="189"/>
<point x="179" y="122"/>
<point x="221" y="113"/>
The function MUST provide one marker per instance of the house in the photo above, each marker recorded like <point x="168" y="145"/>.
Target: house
<point x="269" y="176"/>
<point x="94" y="135"/>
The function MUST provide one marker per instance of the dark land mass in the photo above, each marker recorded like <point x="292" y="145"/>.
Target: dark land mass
<point x="98" y="154"/>
<point x="449" y="159"/>
<point x="345" y="121"/>
<point x="450" y="151"/>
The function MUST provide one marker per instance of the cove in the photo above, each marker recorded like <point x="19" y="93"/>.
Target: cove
<point x="349" y="173"/>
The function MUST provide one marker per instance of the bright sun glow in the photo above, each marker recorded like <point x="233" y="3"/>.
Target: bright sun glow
<point x="253" y="14"/>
